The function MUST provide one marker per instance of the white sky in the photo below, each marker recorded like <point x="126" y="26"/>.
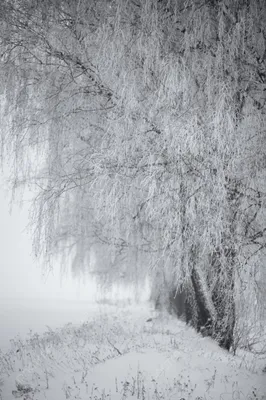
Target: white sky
<point x="20" y="275"/>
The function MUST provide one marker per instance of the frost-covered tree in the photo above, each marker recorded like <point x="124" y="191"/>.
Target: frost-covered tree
<point x="148" y="121"/>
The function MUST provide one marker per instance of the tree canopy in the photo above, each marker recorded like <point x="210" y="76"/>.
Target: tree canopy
<point x="142" y="124"/>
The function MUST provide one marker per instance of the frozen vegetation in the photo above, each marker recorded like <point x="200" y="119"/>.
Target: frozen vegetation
<point x="128" y="352"/>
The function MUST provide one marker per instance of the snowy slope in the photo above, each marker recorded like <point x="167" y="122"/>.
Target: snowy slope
<point x="117" y="354"/>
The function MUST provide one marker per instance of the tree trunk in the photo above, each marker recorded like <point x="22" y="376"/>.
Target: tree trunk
<point x="212" y="314"/>
<point x="223" y="298"/>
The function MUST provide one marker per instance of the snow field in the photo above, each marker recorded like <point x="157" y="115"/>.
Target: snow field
<point x="118" y="355"/>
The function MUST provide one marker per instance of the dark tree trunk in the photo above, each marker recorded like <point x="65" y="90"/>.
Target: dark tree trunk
<point x="223" y="299"/>
<point x="190" y="305"/>
<point x="203" y="314"/>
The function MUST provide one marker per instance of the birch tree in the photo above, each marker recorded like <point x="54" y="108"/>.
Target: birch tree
<point x="149" y="121"/>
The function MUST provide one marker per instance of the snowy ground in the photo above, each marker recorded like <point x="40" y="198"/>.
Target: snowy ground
<point x="117" y="354"/>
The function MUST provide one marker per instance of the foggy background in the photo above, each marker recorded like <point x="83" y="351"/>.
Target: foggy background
<point x="30" y="298"/>
<point x="20" y="275"/>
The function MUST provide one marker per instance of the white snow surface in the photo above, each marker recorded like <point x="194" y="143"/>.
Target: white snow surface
<point x="117" y="355"/>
